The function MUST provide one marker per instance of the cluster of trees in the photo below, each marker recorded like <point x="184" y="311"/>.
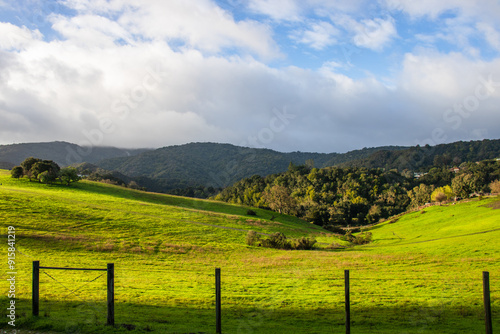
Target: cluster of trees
<point x="421" y="158"/>
<point x="45" y="171"/>
<point x="333" y="197"/>
<point x="442" y="184"/>
<point x="328" y="196"/>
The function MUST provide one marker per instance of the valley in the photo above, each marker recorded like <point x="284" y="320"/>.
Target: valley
<point x="421" y="273"/>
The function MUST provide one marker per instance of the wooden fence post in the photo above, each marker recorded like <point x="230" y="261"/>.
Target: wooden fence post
<point x="487" y="302"/>
<point x="218" y="317"/>
<point x="347" y="303"/>
<point x="35" y="289"/>
<point x="111" y="294"/>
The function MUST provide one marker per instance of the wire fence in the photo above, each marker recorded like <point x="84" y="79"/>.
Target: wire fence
<point x="251" y="301"/>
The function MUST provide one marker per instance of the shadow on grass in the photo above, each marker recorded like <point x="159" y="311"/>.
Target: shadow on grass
<point x="88" y="317"/>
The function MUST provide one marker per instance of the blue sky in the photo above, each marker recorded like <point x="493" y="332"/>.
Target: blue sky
<point x="312" y="75"/>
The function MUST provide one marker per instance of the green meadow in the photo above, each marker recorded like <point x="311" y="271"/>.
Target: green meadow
<point x="421" y="274"/>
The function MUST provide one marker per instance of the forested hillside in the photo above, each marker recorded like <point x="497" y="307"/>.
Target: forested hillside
<point x="336" y="196"/>
<point x="421" y="158"/>
<point x="216" y="165"/>
<point x="202" y="169"/>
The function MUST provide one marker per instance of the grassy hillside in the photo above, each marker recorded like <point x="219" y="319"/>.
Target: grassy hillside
<point x="422" y="274"/>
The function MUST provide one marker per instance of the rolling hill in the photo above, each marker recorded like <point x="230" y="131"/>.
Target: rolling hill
<point x="219" y="165"/>
<point x="421" y="273"/>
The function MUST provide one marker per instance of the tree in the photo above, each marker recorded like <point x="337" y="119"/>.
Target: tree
<point x="67" y="175"/>
<point x="495" y="187"/>
<point x="46" y="177"/>
<point x="441" y="194"/>
<point x="440" y="197"/>
<point x="17" y="172"/>
<point x="374" y="213"/>
<point x="27" y="164"/>
<point x="48" y="166"/>
<point x="279" y="199"/>
<point x="420" y="195"/>
<point x="463" y="184"/>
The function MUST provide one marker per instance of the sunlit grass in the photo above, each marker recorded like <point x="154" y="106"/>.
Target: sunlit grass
<point x="422" y="274"/>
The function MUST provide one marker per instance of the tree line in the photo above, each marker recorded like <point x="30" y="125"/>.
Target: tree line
<point x="335" y="197"/>
<point x="45" y="171"/>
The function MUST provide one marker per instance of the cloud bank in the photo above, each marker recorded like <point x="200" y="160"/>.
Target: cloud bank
<point x="299" y="76"/>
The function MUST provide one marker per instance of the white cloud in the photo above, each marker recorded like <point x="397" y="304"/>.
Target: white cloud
<point x="129" y="76"/>
<point x="374" y="34"/>
<point x="199" y="24"/>
<point x="491" y="34"/>
<point x="280" y="10"/>
<point x="318" y="35"/>
<point x="487" y="9"/>
<point x="461" y="20"/>
<point x="339" y="6"/>
<point x="94" y="30"/>
<point x="14" y="38"/>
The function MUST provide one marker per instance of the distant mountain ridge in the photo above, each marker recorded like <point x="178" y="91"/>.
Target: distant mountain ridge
<point x="219" y="165"/>
<point x="63" y="153"/>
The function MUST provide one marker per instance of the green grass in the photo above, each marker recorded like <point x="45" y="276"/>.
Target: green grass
<point x="422" y="274"/>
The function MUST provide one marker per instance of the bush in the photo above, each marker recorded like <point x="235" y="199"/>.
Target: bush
<point x="252" y="238"/>
<point x="250" y="212"/>
<point x="360" y="239"/>
<point x="277" y="240"/>
<point x="303" y="243"/>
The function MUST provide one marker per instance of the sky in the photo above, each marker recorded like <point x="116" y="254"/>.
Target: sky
<point x="289" y="75"/>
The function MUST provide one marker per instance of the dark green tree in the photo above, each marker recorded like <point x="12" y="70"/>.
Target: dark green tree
<point x="48" y="166"/>
<point x="27" y="164"/>
<point x="67" y="175"/>
<point x="17" y="172"/>
<point x="464" y="184"/>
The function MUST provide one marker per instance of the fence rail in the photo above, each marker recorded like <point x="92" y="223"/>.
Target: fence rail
<point x="110" y="284"/>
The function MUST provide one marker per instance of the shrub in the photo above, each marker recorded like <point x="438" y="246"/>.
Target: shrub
<point x="252" y="238"/>
<point x="360" y="239"/>
<point x="277" y="240"/>
<point x="250" y="212"/>
<point x="303" y="243"/>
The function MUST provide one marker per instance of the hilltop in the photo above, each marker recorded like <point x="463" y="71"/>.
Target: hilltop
<point x="165" y="249"/>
